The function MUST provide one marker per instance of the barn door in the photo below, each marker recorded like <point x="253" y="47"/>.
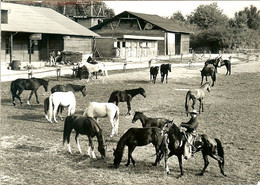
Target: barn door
<point x="177" y="44"/>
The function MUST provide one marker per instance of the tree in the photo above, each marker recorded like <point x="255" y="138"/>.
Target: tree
<point x="207" y="16"/>
<point x="253" y="17"/>
<point x="178" y="16"/>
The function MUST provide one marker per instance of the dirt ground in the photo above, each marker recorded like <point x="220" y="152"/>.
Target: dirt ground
<point x="32" y="151"/>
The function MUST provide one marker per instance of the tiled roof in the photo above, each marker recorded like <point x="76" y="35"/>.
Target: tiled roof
<point x="23" y="18"/>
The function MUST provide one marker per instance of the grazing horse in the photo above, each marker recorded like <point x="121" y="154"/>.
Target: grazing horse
<point x="208" y="147"/>
<point x="196" y="94"/>
<point x="149" y="122"/>
<point x="64" y="88"/>
<point x="126" y="96"/>
<point x="208" y="70"/>
<point x="153" y="73"/>
<point x="226" y="63"/>
<point x="65" y="99"/>
<point x="27" y="84"/>
<point x="101" y="110"/>
<point x="95" y="68"/>
<point x="139" y="137"/>
<point x="84" y="126"/>
<point x="164" y="71"/>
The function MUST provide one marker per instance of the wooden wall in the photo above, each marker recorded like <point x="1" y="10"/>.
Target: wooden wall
<point x="185" y="43"/>
<point x="78" y="44"/>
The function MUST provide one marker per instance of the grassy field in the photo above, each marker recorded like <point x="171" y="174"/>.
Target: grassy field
<point x="32" y="151"/>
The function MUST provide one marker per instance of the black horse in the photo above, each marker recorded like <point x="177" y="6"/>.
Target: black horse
<point x="84" y="126"/>
<point x="208" y="70"/>
<point x="64" y="88"/>
<point x="149" y="122"/>
<point x="214" y="62"/>
<point x="164" y="71"/>
<point x="140" y="137"/>
<point x="208" y="147"/>
<point x="27" y="84"/>
<point x="91" y="61"/>
<point x="153" y="73"/>
<point x="226" y="63"/>
<point x="81" y="72"/>
<point x="126" y="95"/>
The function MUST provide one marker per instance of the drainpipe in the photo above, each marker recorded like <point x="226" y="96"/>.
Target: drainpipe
<point x="11" y="47"/>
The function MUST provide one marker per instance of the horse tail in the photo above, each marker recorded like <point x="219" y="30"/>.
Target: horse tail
<point x="220" y="150"/>
<point x="50" y="107"/>
<point x="187" y="101"/>
<point x="214" y="76"/>
<point x="67" y="129"/>
<point x="116" y="118"/>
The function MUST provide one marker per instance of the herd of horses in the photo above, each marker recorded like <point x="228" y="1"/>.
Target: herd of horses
<point x="166" y="137"/>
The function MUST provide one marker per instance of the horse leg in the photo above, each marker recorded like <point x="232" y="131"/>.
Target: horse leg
<point x="193" y="102"/>
<point x="18" y="96"/>
<point x="201" y="105"/>
<point x="166" y="77"/>
<point x="92" y="147"/>
<point x="111" y="119"/>
<point x="28" y="101"/>
<point x="162" y="78"/>
<point x="55" y="112"/>
<point x="130" y="150"/>
<point x="128" y="107"/>
<point x="180" y="164"/>
<point x="202" y="77"/>
<point x="36" y="96"/>
<point x="77" y="141"/>
<point x="206" y="163"/>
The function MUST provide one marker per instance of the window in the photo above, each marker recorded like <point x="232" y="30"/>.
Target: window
<point x="118" y="44"/>
<point x="123" y="44"/>
<point x="4" y="16"/>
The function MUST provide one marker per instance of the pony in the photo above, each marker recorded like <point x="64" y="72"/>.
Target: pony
<point x="64" y="88"/>
<point x="32" y="84"/>
<point x="139" y="137"/>
<point x="226" y="63"/>
<point x="81" y="72"/>
<point x="208" y="70"/>
<point x="94" y="68"/>
<point x="100" y="110"/>
<point x="149" y="122"/>
<point x="196" y="94"/>
<point x="153" y="73"/>
<point x="164" y="71"/>
<point x="126" y="96"/>
<point x="65" y="99"/>
<point x="84" y="126"/>
<point x="208" y="146"/>
<point x="214" y="62"/>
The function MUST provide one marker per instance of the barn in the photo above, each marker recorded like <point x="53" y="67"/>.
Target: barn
<point x="31" y="33"/>
<point x="137" y="35"/>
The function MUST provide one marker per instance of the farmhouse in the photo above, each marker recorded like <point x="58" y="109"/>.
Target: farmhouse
<point x="137" y="35"/>
<point x="37" y="30"/>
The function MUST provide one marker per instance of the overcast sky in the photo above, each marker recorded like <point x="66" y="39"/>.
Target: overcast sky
<point x="167" y="8"/>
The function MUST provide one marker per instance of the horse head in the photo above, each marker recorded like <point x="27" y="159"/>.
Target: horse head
<point x="118" y="157"/>
<point x="102" y="147"/>
<point x="84" y="91"/>
<point x="142" y="92"/>
<point x="136" y="117"/>
<point x="45" y="85"/>
<point x="170" y="67"/>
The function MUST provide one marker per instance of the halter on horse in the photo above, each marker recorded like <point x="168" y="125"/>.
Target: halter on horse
<point x="65" y="99"/>
<point x="100" y="110"/>
<point x="153" y="73"/>
<point x="196" y="94"/>
<point x="27" y="84"/>
<point x="140" y="137"/>
<point x="84" y="126"/>
<point x="208" y="147"/>
<point x="126" y="96"/>
<point x="149" y="122"/>
<point x="164" y="71"/>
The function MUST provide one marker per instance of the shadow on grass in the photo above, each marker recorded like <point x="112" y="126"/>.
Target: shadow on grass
<point x="138" y="81"/>
<point x="31" y="117"/>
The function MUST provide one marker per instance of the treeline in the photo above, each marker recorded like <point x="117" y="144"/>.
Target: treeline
<point x="214" y="31"/>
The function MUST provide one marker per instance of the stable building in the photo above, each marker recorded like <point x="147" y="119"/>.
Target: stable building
<point x="136" y="35"/>
<point x="31" y="33"/>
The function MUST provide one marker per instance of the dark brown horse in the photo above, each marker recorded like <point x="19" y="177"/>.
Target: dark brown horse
<point x="208" y="70"/>
<point x="226" y="63"/>
<point x="208" y="147"/>
<point x="125" y="96"/>
<point x="153" y="73"/>
<point x="140" y="137"/>
<point x="31" y="84"/>
<point x="164" y="71"/>
<point x="149" y="122"/>
<point x="214" y="62"/>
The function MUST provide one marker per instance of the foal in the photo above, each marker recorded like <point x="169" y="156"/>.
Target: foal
<point x="153" y="73"/>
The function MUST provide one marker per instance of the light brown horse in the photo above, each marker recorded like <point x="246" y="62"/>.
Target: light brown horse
<point x="196" y="94"/>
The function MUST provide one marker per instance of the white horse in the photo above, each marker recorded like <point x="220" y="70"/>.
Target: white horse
<point x="100" y="110"/>
<point x="65" y="99"/>
<point x="95" y="68"/>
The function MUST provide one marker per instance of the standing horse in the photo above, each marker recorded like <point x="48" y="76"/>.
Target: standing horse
<point x="153" y="73"/>
<point x="84" y="126"/>
<point x="100" y="110"/>
<point x="208" y="70"/>
<point x="149" y="122"/>
<point x="139" y="137"/>
<point x="208" y="147"/>
<point x="226" y="63"/>
<point x="164" y="71"/>
<point x="196" y="94"/>
<point x="95" y="68"/>
<point x="65" y="99"/>
<point x="27" y="84"/>
<point x="214" y="62"/>
<point x="126" y="96"/>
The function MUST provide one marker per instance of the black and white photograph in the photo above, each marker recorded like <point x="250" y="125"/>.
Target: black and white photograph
<point x="130" y="92"/>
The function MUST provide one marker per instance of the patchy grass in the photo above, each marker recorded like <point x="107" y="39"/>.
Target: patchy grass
<point x="32" y="151"/>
